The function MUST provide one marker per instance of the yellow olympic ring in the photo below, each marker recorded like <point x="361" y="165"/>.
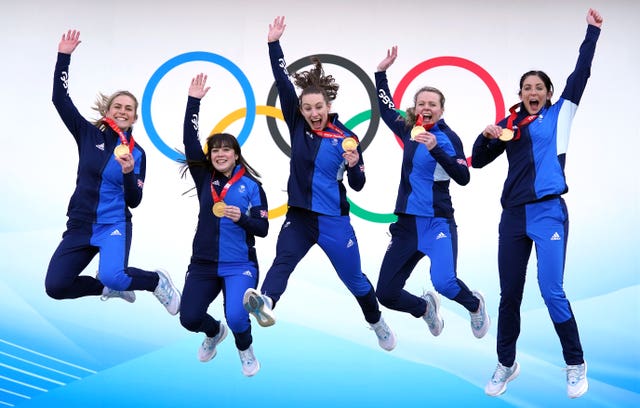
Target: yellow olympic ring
<point x="241" y="113"/>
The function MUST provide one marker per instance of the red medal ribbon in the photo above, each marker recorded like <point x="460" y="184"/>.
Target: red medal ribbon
<point x="336" y="134"/>
<point x="426" y="127"/>
<point x="123" y="138"/>
<point x="524" y="122"/>
<point x="225" y="189"/>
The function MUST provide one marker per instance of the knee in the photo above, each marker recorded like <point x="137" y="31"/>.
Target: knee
<point x="190" y="321"/>
<point x="447" y="288"/>
<point x="55" y="291"/>
<point x="386" y="297"/>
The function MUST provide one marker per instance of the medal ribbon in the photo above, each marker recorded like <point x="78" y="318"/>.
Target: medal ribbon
<point x="123" y="138"/>
<point x="524" y="122"/>
<point x="426" y="127"/>
<point x="336" y="134"/>
<point x="225" y="189"/>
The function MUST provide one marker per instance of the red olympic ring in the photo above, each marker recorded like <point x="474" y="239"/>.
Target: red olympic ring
<point x="455" y="62"/>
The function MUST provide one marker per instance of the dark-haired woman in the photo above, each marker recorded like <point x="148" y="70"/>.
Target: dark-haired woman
<point x="322" y="150"/>
<point x="233" y="210"/>
<point x="535" y="137"/>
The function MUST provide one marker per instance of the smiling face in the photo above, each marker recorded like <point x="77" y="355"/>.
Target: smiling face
<point x="315" y="110"/>
<point x="224" y="159"/>
<point x="123" y="111"/>
<point x="534" y="93"/>
<point x="429" y="105"/>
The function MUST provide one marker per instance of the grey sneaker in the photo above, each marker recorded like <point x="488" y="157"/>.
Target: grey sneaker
<point x="432" y="315"/>
<point x="250" y="365"/>
<point x="128" y="295"/>
<point x="480" y="320"/>
<point x="167" y="293"/>
<point x="207" y="350"/>
<point x="498" y="383"/>
<point x="577" y="383"/>
<point x="259" y="306"/>
<point x="386" y="338"/>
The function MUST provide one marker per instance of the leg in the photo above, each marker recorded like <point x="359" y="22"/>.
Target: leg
<point x="399" y="261"/>
<point x="68" y="261"/>
<point x="202" y="285"/>
<point x="514" y="249"/>
<point x="297" y="236"/>
<point x="548" y="224"/>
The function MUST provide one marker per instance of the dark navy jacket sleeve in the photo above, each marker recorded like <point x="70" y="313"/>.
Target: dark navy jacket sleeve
<point x="455" y="166"/>
<point x="577" y="81"/>
<point x="286" y="91"/>
<point x="257" y="222"/>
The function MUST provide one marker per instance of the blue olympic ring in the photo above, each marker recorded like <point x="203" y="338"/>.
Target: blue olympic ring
<point x="145" y="107"/>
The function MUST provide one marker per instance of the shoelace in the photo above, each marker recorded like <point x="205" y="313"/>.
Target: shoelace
<point x="477" y="318"/>
<point x="574" y="373"/>
<point x="500" y="374"/>
<point x="247" y="356"/>
<point x="382" y="331"/>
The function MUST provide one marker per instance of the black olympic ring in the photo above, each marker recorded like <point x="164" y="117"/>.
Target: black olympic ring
<point x="341" y="62"/>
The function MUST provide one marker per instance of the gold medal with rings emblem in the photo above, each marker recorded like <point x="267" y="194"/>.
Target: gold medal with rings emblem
<point x="218" y="209"/>
<point x="416" y="131"/>
<point x="506" y="135"/>
<point x="121" y="150"/>
<point x="349" y="143"/>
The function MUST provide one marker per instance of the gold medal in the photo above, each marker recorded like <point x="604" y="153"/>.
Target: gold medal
<point x="416" y="131"/>
<point x="349" y="143"/>
<point x="218" y="209"/>
<point x="506" y="135"/>
<point x="121" y="150"/>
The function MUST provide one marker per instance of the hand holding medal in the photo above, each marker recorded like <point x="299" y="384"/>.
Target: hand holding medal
<point x="420" y="127"/>
<point x="349" y="143"/>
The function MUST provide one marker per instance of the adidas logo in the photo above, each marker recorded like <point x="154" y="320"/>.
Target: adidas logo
<point x="555" y="237"/>
<point x="115" y="233"/>
<point x="248" y="273"/>
<point x="100" y="146"/>
<point x="350" y="243"/>
<point x="441" y="235"/>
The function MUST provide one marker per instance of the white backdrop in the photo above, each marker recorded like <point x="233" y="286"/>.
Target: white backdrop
<point x="125" y="43"/>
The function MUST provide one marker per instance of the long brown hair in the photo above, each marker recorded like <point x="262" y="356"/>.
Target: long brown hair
<point x="314" y="81"/>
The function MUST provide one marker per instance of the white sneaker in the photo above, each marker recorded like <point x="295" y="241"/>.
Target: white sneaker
<point x="432" y="315"/>
<point x="250" y="365"/>
<point x="577" y="383"/>
<point x="128" y="295"/>
<point x="386" y="338"/>
<point x="498" y="383"/>
<point x="259" y="306"/>
<point x="207" y="349"/>
<point x="480" y="320"/>
<point x="167" y="293"/>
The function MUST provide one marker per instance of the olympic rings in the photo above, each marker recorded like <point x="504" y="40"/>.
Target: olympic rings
<point x="456" y="62"/>
<point x="273" y="113"/>
<point x="269" y="111"/>
<point x="145" y="107"/>
<point x="348" y="65"/>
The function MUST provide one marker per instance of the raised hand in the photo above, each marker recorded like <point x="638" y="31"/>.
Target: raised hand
<point x="69" y="42"/>
<point x="198" y="88"/>
<point x="276" y="29"/>
<point x="392" y="54"/>
<point x="594" y="18"/>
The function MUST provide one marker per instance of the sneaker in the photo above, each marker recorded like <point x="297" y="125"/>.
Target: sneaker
<point x="250" y="365"/>
<point x="480" y="320"/>
<point x="259" y="306"/>
<point x="432" y="315"/>
<point x="167" y="293"/>
<point x="128" y="295"/>
<point x="386" y="338"/>
<point x="577" y="383"/>
<point x="498" y="383"/>
<point x="207" y="350"/>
